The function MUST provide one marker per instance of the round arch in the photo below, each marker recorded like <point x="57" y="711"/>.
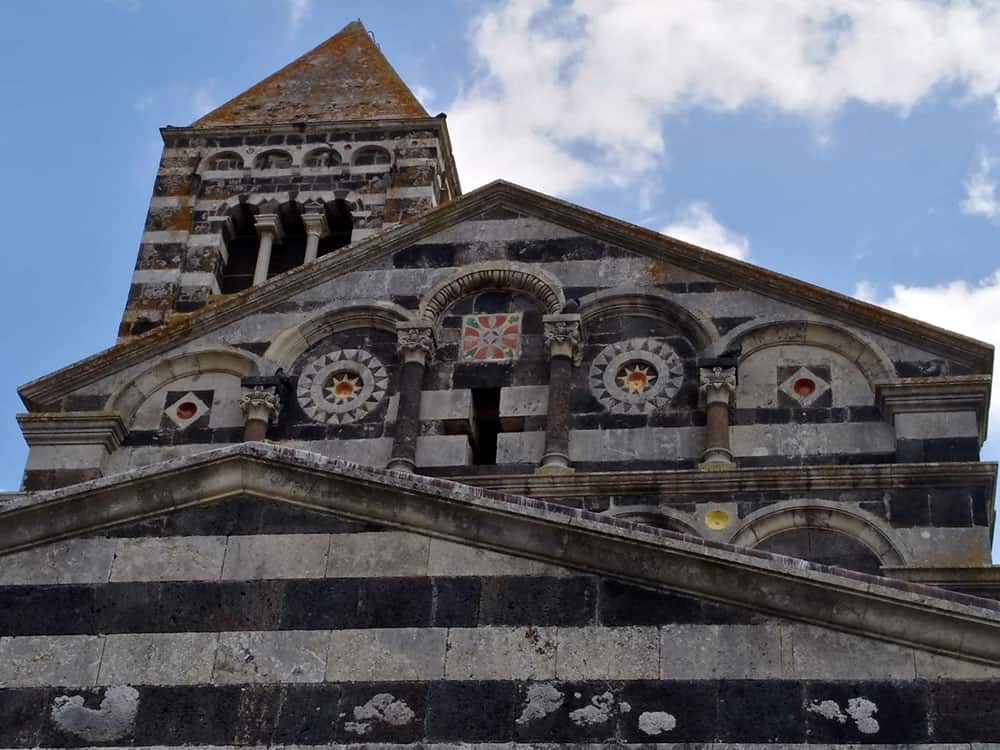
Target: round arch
<point x="130" y="396"/>
<point x="533" y="282"/>
<point x="758" y="335"/>
<point x="613" y="303"/>
<point x="290" y="344"/>
<point x="817" y="514"/>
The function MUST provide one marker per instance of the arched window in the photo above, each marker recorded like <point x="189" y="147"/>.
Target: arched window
<point x="225" y="160"/>
<point x="274" y="160"/>
<point x="825" y="547"/>
<point x="321" y="157"/>
<point x="341" y="225"/>
<point x="242" y="243"/>
<point x="371" y="155"/>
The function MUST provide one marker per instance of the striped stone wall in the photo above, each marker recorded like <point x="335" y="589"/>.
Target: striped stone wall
<point x="255" y="624"/>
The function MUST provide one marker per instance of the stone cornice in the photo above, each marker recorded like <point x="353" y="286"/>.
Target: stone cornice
<point x="695" y="483"/>
<point x="890" y="610"/>
<point x="438" y="124"/>
<point x="73" y="428"/>
<point x="947" y="394"/>
<point x="46" y="392"/>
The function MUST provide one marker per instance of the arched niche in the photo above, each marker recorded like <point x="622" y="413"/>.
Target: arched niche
<point x="128" y="399"/>
<point x="759" y="335"/>
<point x="613" y="303"/>
<point x="502" y="276"/>
<point x="291" y="344"/>
<point x="770" y="522"/>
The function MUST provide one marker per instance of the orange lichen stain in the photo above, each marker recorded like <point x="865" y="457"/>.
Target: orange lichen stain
<point x="183" y="219"/>
<point x="658" y="272"/>
<point x="344" y="78"/>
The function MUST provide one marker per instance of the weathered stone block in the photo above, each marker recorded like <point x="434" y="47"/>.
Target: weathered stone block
<point x="524" y="400"/>
<point x="276" y="556"/>
<point x="451" y="559"/>
<point x="501" y="654"/>
<point x="35" y="661"/>
<point x="689" y="652"/>
<point x="599" y="653"/>
<point x="158" y="659"/>
<point x="520" y="447"/>
<point x="446" y="405"/>
<point x="378" y="554"/>
<point x="386" y="655"/>
<point x="189" y="558"/>
<point x="444" y="450"/>
<point x="72" y="561"/>
<point x="269" y="656"/>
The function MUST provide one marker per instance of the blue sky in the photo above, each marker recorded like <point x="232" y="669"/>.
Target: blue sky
<point x="848" y="143"/>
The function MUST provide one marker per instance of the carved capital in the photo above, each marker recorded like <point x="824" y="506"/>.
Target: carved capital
<point x="562" y="335"/>
<point x="269" y="224"/>
<point x="718" y="384"/>
<point x="415" y="341"/>
<point x="261" y="403"/>
<point x="315" y="223"/>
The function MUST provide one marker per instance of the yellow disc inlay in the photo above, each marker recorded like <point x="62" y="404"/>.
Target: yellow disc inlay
<point x="717" y="519"/>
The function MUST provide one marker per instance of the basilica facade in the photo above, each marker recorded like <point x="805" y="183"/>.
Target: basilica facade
<point x="378" y="461"/>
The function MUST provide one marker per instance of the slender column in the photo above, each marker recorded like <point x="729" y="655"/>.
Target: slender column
<point x="316" y="229"/>
<point x="260" y="404"/>
<point x="562" y="339"/>
<point x="718" y="386"/>
<point x="269" y="229"/>
<point x="416" y="344"/>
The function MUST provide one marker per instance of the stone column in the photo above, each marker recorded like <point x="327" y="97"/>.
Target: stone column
<point x="718" y="387"/>
<point x="416" y="344"/>
<point x="316" y="229"/>
<point x="269" y="229"/>
<point x="261" y="405"/>
<point x="562" y="340"/>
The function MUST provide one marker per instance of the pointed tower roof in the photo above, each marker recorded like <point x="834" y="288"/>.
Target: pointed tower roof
<point x="344" y="78"/>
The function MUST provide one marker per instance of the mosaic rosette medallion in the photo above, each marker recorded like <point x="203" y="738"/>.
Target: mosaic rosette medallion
<point x="342" y="386"/>
<point x="491" y="338"/>
<point x="637" y="376"/>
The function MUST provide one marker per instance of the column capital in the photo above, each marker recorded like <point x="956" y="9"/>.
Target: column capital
<point x="562" y="335"/>
<point x="717" y="384"/>
<point x="315" y="223"/>
<point x="261" y="403"/>
<point x="415" y="340"/>
<point x="269" y="224"/>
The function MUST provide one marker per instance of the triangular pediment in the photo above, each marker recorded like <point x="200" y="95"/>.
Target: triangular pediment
<point x="261" y="492"/>
<point x="499" y="200"/>
<point x="345" y="78"/>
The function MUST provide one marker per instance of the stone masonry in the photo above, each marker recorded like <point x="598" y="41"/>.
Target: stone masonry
<point x="376" y="462"/>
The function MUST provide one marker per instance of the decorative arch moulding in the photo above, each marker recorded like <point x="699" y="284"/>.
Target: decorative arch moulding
<point x="535" y="283"/>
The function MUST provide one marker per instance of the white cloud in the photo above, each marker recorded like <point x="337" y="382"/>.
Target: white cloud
<point x="970" y="309"/>
<point x="980" y="191"/>
<point x="298" y="11"/>
<point x="599" y="77"/>
<point x="698" y="226"/>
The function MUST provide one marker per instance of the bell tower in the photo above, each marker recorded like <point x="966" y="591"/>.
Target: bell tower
<point x="326" y="152"/>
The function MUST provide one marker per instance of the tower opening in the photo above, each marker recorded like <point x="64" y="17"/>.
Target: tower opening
<point x="291" y="253"/>
<point x="341" y="225"/>
<point x="242" y="244"/>
<point x="486" y="416"/>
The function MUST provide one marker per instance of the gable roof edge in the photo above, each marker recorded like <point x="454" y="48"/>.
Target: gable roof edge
<point x="44" y="392"/>
<point x="890" y="610"/>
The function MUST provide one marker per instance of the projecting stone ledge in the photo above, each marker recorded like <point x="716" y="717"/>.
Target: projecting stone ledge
<point x="891" y="610"/>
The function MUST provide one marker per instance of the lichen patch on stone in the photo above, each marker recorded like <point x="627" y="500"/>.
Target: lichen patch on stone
<point x="541" y="700"/>
<point x="655" y="723"/>
<point x="114" y="719"/>
<point x="384" y="708"/>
